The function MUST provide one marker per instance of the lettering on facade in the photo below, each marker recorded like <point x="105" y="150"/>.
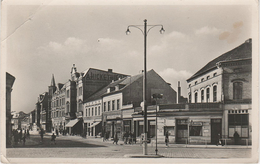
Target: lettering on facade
<point x="102" y="77"/>
<point x="114" y="116"/>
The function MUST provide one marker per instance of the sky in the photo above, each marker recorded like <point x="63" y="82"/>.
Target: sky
<point x="49" y="37"/>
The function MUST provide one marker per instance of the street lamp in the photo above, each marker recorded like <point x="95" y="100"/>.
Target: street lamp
<point x="156" y="97"/>
<point x="145" y="32"/>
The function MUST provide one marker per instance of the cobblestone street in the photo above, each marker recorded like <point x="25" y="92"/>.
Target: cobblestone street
<point x="78" y="147"/>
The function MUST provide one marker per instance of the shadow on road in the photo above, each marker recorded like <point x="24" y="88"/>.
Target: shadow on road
<point x="35" y="142"/>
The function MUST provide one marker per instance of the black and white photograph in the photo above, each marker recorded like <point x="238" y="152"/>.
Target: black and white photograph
<point x="129" y="81"/>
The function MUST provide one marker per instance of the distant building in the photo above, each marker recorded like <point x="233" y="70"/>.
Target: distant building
<point x="219" y="102"/>
<point x="67" y="99"/>
<point x="9" y="84"/>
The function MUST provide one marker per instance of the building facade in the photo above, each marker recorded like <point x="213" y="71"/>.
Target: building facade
<point x="9" y="85"/>
<point x="220" y="93"/>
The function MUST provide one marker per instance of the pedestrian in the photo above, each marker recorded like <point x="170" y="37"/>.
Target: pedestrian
<point x="53" y="138"/>
<point x="24" y="138"/>
<point x="115" y="138"/>
<point x="20" y="135"/>
<point x="219" y="142"/>
<point x="130" y="139"/>
<point x="166" y="138"/>
<point x="126" y="137"/>
<point x="236" y="137"/>
<point x="41" y="133"/>
<point x="57" y="133"/>
<point x="28" y="134"/>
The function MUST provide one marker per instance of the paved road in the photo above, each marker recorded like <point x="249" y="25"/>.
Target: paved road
<point x="77" y="147"/>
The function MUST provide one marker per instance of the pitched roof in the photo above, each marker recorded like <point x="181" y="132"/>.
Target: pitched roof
<point x="99" y="93"/>
<point x="244" y="51"/>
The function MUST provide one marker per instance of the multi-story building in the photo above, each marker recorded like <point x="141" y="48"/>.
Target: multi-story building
<point x="117" y="103"/>
<point x="42" y="114"/>
<point x="9" y="84"/>
<point x="219" y="101"/>
<point x="76" y="90"/>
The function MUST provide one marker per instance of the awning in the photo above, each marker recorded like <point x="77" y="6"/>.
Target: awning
<point x="94" y="124"/>
<point x="71" y="123"/>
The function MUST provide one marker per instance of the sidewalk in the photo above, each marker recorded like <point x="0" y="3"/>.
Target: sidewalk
<point x="173" y="145"/>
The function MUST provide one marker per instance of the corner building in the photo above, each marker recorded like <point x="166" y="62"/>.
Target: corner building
<point x="219" y="97"/>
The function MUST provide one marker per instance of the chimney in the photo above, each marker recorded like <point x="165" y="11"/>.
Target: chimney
<point x="179" y="92"/>
<point x="110" y="70"/>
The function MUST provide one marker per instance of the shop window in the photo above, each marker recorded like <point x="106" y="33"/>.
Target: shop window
<point x="207" y="94"/>
<point x="170" y="130"/>
<point x="113" y="105"/>
<point x="105" y="107"/>
<point x="239" y="123"/>
<point x="215" y="93"/>
<point x="196" y="97"/>
<point x="202" y="95"/>
<point x="195" y="130"/>
<point x="237" y="90"/>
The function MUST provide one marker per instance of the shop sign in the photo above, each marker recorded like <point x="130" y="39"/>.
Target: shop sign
<point x="196" y="123"/>
<point x="114" y="116"/>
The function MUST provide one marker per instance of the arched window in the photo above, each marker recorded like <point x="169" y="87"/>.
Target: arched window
<point x="196" y="97"/>
<point x="202" y="95"/>
<point x="215" y="93"/>
<point x="207" y="94"/>
<point x="92" y="111"/>
<point x="237" y="90"/>
<point x="95" y="111"/>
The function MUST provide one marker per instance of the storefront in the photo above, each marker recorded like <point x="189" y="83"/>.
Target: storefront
<point x="113" y="124"/>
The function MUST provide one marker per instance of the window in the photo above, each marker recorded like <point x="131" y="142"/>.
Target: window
<point x="99" y="110"/>
<point x="92" y="111"/>
<point x="215" y="93"/>
<point x="118" y="104"/>
<point x="113" y="105"/>
<point x="189" y="98"/>
<point x="202" y="79"/>
<point x="237" y="90"/>
<point x="80" y="91"/>
<point x="202" y="95"/>
<point x="104" y="106"/>
<point x="207" y="94"/>
<point x="196" y="97"/>
<point x="68" y="107"/>
<point x="196" y="82"/>
<point x="189" y="85"/>
<point x="239" y="123"/>
<point x="68" y="93"/>
<point x="208" y="77"/>
<point x="86" y="114"/>
<point x="108" y="106"/>
<point x="215" y="74"/>
<point x="88" y="111"/>
<point x="95" y="111"/>
<point x="60" y="102"/>
<point x="195" y="130"/>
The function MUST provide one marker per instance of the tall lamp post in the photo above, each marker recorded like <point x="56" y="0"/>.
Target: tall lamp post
<point x="145" y="32"/>
<point x="156" y="97"/>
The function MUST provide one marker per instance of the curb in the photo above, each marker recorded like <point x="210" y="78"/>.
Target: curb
<point x="143" y="156"/>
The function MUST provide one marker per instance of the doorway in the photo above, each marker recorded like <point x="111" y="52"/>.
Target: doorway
<point x="216" y="125"/>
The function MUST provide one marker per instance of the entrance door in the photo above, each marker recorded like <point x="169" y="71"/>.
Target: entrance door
<point x="181" y="130"/>
<point x="215" y="130"/>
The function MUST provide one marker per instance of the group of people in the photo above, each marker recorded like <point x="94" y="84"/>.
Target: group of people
<point x="20" y="135"/>
<point x="129" y="137"/>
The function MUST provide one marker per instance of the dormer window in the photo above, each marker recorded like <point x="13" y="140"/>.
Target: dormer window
<point x="215" y="74"/>
<point x="196" y="82"/>
<point x="189" y="85"/>
<point x="208" y="77"/>
<point x="202" y="79"/>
